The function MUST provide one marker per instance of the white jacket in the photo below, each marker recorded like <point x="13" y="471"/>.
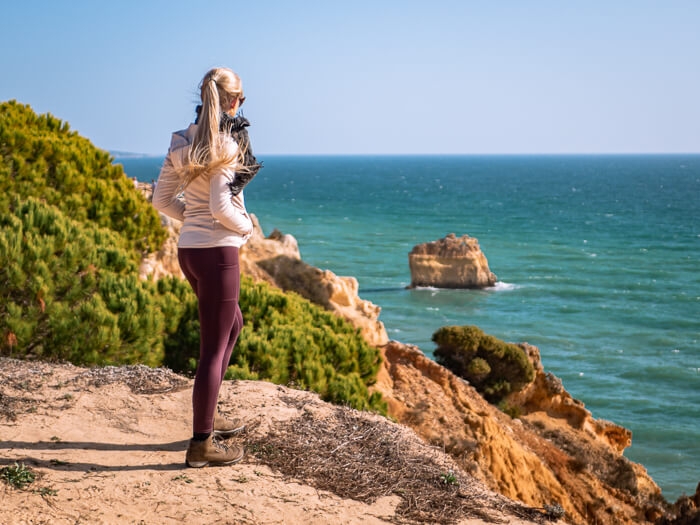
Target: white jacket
<point x="210" y="215"/>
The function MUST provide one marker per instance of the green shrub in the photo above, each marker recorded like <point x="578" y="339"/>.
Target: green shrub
<point x="71" y="291"/>
<point x="495" y="368"/>
<point x="512" y="410"/>
<point x="478" y="368"/>
<point x="73" y="230"/>
<point x="41" y="157"/>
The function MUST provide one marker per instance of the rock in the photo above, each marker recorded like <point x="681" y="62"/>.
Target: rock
<point x="276" y="246"/>
<point x="547" y="394"/>
<point x="685" y="511"/>
<point x="539" y="459"/>
<point x="450" y="262"/>
<point x="323" y="287"/>
<point x="163" y="262"/>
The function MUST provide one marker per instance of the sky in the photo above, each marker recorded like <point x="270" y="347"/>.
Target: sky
<point x="439" y="77"/>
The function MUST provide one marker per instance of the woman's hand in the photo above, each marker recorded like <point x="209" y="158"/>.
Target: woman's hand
<point x="238" y="202"/>
<point x="229" y="211"/>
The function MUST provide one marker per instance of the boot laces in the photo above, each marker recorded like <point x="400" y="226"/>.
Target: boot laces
<point x="219" y="445"/>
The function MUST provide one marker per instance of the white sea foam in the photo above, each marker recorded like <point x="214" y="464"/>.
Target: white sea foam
<point x="432" y="308"/>
<point x="427" y="288"/>
<point x="500" y="286"/>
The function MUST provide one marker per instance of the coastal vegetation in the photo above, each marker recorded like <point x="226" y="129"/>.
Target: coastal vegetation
<point x="73" y="229"/>
<point x="495" y="368"/>
<point x="42" y="157"/>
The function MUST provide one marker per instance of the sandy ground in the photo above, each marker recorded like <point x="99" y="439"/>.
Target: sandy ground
<point x="113" y="455"/>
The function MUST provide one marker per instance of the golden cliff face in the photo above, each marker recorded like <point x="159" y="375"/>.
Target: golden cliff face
<point x="546" y="394"/>
<point x="562" y="456"/>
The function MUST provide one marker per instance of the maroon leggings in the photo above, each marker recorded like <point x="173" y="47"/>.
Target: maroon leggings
<point x="215" y="276"/>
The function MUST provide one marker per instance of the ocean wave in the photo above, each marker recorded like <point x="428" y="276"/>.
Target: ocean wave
<point x="501" y="286"/>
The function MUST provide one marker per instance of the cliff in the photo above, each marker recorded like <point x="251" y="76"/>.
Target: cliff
<point x="107" y="445"/>
<point x="555" y="452"/>
<point x="538" y="458"/>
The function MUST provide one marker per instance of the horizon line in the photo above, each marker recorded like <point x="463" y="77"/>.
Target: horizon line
<point x="126" y="154"/>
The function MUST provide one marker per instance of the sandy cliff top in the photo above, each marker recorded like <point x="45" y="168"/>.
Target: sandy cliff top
<point x="111" y="442"/>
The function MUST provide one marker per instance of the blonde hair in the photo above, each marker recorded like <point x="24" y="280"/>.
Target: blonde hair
<point x="211" y="149"/>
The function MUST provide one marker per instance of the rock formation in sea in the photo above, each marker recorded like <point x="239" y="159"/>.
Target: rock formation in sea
<point x="450" y="262"/>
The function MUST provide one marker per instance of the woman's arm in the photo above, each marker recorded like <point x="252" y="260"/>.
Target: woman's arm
<point x="164" y="198"/>
<point x="222" y="207"/>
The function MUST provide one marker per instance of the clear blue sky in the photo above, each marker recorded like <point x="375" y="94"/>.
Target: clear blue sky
<point x="369" y="77"/>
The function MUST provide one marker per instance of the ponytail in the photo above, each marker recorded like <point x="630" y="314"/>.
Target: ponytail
<point x="211" y="150"/>
<point x="210" y="118"/>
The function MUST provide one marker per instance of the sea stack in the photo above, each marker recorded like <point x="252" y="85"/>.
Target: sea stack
<point x="450" y="262"/>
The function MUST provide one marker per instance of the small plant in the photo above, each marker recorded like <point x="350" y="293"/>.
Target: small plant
<point x="45" y="491"/>
<point x="449" y="478"/>
<point x="183" y="478"/>
<point x="554" y="511"/>
<point x="512" y="410"/>
<point x="66" y="397"/>
<point x="264" y="449"/>
<point x="55" y="438"/>
<point x="58" y="462"/>
<point x="241" y="479"/>
<point x="17" y="475"/>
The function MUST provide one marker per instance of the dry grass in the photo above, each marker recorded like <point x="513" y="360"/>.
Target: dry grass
<point x="364" y="458"/>
<point x="10" y="406"/>
<point x="140" y="379"/>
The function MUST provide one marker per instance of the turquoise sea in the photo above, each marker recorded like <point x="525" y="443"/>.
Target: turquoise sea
<point x="598" y="259"/>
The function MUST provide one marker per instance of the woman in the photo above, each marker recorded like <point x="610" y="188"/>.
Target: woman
<point x="203" y="162"/>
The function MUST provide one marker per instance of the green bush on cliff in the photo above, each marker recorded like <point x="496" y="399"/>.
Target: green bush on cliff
<point x="286" y="338"/>
<point x="41" y="157"/>
<point x="495" y="368"/>
<point x="70" y="290"/>
<point x="72" y="232"/>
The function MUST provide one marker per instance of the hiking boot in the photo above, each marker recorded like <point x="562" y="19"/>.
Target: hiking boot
<point x="225" y="427"/>
<point x="212" y="451"/>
